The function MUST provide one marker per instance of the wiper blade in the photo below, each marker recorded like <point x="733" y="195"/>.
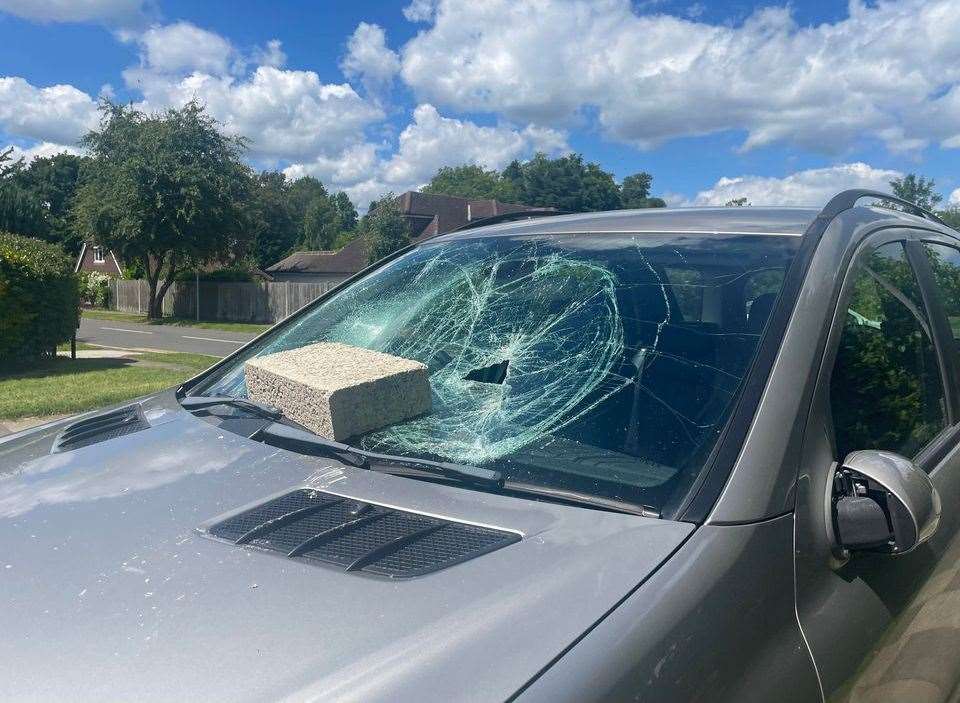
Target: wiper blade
<point x="580" y="498"/>
<point x="487" y="478"/>
<point x="306" y="442"/>
<point x="200" y="402"/>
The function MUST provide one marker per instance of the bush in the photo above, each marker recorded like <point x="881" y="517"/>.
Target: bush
<point x="94" y="288"/>
<point x="39" y="299"/>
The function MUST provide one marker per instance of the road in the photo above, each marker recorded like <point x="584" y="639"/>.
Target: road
<point x="166" y="337"/>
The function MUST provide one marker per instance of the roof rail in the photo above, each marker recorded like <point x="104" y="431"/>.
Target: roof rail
<point x="509" y="217"/>
<point x="848" y="199"/>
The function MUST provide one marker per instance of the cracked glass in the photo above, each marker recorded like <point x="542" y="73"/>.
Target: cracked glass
<point x="591" y="362"/>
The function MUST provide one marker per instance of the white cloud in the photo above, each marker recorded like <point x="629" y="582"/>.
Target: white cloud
<point x="182" y="46"/>
<point x="285" y="114"/>
<point x="113" y="11"/>
<point x="954" y="199"/>
<point x="810" y="187"/>
<point x="368" y="58"/>
<point x="889" y="70"/>
<point x="270" y="55"/>
<point x="428" y="143"/>
<point x="58" y="113"/>
<point x="420" y="10"/>
<point x="41" y="150"/>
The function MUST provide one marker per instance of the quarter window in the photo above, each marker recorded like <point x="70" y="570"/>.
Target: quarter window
<point x="98" y="255"/>
<point x="886" y="391"/>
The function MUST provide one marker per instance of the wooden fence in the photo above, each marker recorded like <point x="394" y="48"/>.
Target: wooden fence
<point x="236" y="302"/>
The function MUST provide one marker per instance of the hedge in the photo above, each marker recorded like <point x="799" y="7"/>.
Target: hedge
<point x="39" y="299"/>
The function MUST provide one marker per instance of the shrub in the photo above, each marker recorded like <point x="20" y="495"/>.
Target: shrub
<point x="94" y="288"/>
<point x="39" y="299"/>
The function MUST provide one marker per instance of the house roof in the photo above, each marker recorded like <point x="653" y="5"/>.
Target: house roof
<point x="434" y="213"/>
<point x="348" y="260"/>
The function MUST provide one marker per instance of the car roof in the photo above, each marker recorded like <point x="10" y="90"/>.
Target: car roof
<point x="790" y="221"/>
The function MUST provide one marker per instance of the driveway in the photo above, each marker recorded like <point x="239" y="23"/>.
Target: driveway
<point x="166" y="337"/>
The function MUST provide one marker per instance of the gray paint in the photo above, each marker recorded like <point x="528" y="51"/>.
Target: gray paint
<point x="111" y="594"/>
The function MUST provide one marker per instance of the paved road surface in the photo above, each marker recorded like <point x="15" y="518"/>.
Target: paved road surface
<point x="167" y="337"/>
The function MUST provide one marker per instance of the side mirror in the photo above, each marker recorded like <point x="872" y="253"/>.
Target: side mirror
<point x="882" y="502"/>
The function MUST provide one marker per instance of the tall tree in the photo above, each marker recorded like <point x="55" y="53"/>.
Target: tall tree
<point x="273" y="228"/>
<point x="321" y="225"/>
<point x="21" y="211"/>
<point x="566" y="183"/>
<point x="918" y="190"/>
<point x="302" y="192"/>
<point x="635" y="192"/>
<point x="386" y="229"/>
<point x="53" y="180"/>
<point x="345" y="211"/>
<point x="512" y="177"/>
<point x="473" y="182"/>
<point x="165" y="189"/>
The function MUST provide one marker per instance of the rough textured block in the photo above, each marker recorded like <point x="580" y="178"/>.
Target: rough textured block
<point x="339" y="391"/>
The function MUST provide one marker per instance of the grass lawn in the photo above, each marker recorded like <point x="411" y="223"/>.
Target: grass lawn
<point x="67" y="386"/>
<point x="142" y="319"/>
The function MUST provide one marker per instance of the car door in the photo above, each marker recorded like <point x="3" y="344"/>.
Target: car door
<point x="882" y="627"/>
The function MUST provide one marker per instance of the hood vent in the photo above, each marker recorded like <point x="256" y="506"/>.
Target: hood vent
<point x="101" y="428"/>
<point x="356" y="536"/>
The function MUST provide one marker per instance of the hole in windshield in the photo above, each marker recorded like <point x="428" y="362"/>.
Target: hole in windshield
<point x="494" y="373"/>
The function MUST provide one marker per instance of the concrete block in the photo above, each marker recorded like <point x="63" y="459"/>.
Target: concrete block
<point x="339" y="391"/>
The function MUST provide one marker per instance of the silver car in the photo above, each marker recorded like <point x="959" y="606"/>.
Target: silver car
<point x="688" y="455"/>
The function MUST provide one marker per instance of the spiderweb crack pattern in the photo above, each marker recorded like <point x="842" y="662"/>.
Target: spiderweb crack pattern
<point x="552" y="317"/>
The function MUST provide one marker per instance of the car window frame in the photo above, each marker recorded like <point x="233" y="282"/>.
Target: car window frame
<point x="930" y="455"/>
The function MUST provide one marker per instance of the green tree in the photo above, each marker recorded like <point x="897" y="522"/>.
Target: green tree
<point x="166" y="189"/>
<point x="345" y="211"/>
<point x="386" y="229"/>
<point x="737" y="202"/>
<point x="635" y="192"/>
<point x="301" y="193"/>
<point x="512" y="177"/>
<point x="53" y="181"/>
<point x="273" y="228"/>
<point x="21" y="211"/>
<point x="321" y="225"/>
<point x="918" y="190"/>
<point x="472" y="182"/>
<point x="566" y="183"/>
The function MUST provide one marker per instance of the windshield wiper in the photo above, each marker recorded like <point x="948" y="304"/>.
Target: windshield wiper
<point x="286" y="437"/>
<point x="564" y="495"/>
<point x="486" y="478"/>
<point x="201" y="402"/>
<point x="305" y="442"/>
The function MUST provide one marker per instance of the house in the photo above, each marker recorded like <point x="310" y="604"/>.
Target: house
<point x="426" y="214"/>
<point x="94" y="257"/>
<point x="318" y="266"/>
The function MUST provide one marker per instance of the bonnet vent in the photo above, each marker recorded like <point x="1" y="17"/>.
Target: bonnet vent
<point x="101" y="428"/>
<point x="356" y="536"/>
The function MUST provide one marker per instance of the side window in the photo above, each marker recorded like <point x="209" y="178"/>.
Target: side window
<point x="945" y="262"/>
<point x="885" y="390"/>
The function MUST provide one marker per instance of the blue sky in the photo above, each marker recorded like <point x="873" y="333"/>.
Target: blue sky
<point x="778" y="103"/>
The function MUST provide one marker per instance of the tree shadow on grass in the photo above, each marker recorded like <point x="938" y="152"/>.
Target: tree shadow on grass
<point x="64" y="367"/>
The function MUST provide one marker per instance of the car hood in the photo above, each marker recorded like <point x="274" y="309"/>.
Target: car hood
<point x="109" y="592"/>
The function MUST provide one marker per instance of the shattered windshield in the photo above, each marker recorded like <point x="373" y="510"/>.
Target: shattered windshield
<point x="601" y="363"/>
